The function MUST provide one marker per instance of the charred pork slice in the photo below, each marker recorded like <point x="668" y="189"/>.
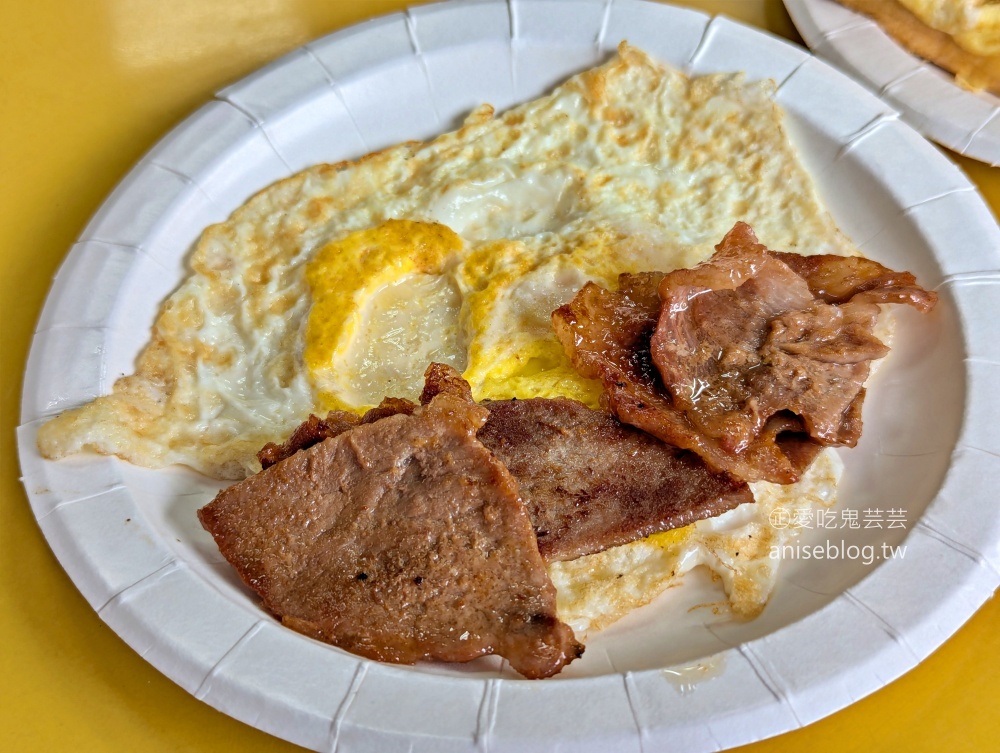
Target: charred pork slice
<point x="591" y="483"/>
<point x="314" y="429"/>
<point x="400" y="540"/>
<point x="310" y="432"/>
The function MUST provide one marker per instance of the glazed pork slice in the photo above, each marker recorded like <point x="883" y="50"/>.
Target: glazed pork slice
<point x="591" y="483"/>
<point x="753" y="359"/>
<point x="401" y="539"/>
<point x="607" y="334"/>
<point x="751" y="333"/>
<point x="839" y="279"/>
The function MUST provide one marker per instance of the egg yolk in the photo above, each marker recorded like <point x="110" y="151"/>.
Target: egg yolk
<point x="347" y="272"/>
<point x="513" y="351"/>
<point x="673" y="537"/>
<point x="538" y="368"/>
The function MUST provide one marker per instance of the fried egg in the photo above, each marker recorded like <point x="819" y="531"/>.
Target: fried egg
<point x="973" y="24"/>
<point x="738" y="546"/>
<point x="337" y="286"/>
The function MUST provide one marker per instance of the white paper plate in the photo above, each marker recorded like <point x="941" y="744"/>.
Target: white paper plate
<point x="833" y="633"/>
<point x="926" y="96"/>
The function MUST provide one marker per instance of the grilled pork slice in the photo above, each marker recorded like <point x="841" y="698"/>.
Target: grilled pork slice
<point x="591" y="483"/>
<point x="588" y="481"/>
<point x="314" y="429"/>
<point x="751" y="333"/>
<point x="311" y="431"/>
<point x="753" y="359"/>
<point x="400" y="540"/>
<point x="606" y="335"/>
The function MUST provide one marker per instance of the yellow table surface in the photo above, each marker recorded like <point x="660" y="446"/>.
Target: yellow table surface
<point x="85" y="89"/>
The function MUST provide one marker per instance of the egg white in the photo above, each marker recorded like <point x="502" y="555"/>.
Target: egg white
<point x="741" y="547"/>
<point x="973" y="24"/>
